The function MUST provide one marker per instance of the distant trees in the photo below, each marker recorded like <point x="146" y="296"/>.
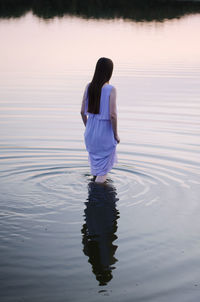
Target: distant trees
<point x="137" y="10"/>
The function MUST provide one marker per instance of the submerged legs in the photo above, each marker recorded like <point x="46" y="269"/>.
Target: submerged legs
<point x="101" y="178"/>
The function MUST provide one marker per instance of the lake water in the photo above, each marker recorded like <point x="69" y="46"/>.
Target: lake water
<point x="63" y="238"/>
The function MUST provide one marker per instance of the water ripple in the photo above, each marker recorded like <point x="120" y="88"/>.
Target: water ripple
<point x="64" y="173"/>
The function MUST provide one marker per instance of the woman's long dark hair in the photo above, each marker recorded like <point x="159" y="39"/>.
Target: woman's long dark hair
<point x="102" y="74"/>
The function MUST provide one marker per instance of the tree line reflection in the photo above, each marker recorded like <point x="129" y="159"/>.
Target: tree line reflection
<point x="136" y="10"/>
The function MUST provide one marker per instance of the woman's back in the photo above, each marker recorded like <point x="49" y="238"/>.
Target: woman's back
<point x="104" y="110"/>
<point x="99" y="137"/>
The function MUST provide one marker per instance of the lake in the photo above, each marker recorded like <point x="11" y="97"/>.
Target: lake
<point x="62" y="237"/>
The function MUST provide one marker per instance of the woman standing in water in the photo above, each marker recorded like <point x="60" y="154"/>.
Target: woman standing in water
<point x="99" y="115"/>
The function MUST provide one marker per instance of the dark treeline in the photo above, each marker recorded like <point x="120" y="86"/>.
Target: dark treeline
<point x="137" y="10"/>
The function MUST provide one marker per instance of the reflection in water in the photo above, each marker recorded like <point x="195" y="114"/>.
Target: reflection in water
<point x="99" y="230"/>
<point x="137" y="10"/>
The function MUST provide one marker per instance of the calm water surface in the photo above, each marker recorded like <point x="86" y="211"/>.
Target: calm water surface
<point x="62" y="237"/>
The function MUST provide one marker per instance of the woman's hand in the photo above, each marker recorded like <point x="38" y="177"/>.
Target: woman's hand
<point x="117" y="139"/>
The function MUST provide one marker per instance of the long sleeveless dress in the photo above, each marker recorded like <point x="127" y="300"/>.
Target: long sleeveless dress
<point x="99" y="137"/>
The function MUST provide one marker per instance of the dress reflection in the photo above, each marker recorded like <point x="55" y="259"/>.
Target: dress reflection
<point x="99" y="230"/>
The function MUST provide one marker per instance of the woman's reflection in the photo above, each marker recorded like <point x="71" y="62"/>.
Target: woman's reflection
<point x="99" y="230"/>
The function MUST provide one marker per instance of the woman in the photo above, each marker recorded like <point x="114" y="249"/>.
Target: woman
<point x="99" y="115"/>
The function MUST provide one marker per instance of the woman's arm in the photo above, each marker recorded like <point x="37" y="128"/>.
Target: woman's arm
<point x="113" y="113"/>
<point x="84" y="117"/>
